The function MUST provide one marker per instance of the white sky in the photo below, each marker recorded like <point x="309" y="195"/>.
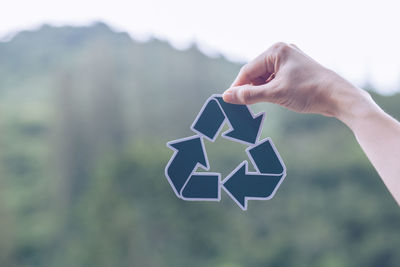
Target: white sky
<point x="355" y="38"/>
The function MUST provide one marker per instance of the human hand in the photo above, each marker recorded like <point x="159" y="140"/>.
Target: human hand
<point x="287" y="76"/>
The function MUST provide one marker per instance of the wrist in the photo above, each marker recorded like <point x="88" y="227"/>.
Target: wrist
<point x="356" y="106"/>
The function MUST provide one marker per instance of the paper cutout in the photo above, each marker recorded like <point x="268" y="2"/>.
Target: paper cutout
<point x="241" y="185"/>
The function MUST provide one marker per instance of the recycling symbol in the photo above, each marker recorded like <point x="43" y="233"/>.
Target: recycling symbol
<point x="241" y="184"/>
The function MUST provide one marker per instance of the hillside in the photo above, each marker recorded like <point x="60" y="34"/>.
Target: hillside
<point x="85" y="115"/>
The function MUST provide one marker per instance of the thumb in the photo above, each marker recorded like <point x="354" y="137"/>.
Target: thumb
<point x="250" y="94"/>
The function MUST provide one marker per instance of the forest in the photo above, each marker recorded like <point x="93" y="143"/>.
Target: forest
<point x="85" y="115"/>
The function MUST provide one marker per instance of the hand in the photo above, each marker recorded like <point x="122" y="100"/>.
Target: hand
<point x="286" y="76"/>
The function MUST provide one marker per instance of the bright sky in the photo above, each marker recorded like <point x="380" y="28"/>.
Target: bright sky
<point x="355" y="38"/>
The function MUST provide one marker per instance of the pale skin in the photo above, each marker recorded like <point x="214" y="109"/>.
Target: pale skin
<point x="285" y="75"/>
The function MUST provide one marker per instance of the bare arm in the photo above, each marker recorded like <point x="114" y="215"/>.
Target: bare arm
<point x="286" y="76"/>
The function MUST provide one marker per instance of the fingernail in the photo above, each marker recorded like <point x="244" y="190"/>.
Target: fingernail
<point x="227" y="95"/>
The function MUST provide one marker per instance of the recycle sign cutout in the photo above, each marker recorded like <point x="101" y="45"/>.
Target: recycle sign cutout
<point x="241" y="184"/>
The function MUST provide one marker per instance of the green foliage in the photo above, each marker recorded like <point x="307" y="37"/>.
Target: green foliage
<point x="85" y="115"/>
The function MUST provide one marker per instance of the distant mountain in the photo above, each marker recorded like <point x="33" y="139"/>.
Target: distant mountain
<point x="85" y="113"/>
<point x="152" y="76"/>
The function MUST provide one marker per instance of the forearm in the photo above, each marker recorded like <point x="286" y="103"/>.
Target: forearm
<point x="378" y="135"/>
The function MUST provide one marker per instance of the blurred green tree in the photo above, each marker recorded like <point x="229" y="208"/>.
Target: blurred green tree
<point x="85" y="115"/>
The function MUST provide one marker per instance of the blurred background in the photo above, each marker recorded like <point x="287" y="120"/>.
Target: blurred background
<point x="91" y="92"/>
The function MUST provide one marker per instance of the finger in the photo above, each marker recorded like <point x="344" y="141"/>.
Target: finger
<point x="295" y="46"/>
<point x="250" y="94"/>
<point x="299" y="50"/>
<point x="256" y="70"/>
<point x="262" y="66"/>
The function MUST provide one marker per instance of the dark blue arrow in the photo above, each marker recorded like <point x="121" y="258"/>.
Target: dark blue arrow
<point x="245" y="127"/>
<point x="202" y="186"/>
<point x="189" y="153"/>
<point x="266" y="158"/>
<point x="188" y="185"/>
<point x="243" y="185"/>
<point x="210" y="120"/>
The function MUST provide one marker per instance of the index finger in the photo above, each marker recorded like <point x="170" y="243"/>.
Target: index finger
<point x="259" y="69"/>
